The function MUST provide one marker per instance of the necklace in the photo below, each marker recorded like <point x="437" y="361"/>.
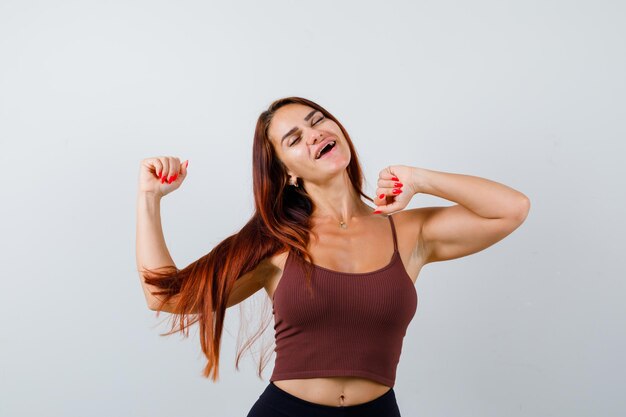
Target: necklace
<point x="343" y="224"/>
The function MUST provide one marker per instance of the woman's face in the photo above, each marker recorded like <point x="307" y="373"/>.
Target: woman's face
<point x="296" y="132"/>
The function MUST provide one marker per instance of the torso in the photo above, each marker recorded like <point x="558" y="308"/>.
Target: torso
<point x="350" y="250"/>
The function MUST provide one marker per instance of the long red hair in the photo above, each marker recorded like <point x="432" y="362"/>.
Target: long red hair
<point x="280" y="222"/>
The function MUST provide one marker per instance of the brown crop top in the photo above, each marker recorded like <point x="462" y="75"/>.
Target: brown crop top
<point x="353" y="326"/>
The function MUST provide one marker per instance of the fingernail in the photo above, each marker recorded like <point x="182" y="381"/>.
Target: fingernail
<point x="397" y="184"/>
<point x="377" y="211"/>
<point x="381" y="196"/>
<point x="395" y="179"/>
<point x="396" y="191"/>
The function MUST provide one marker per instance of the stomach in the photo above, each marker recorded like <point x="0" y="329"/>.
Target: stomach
<point x="334" y="391"/>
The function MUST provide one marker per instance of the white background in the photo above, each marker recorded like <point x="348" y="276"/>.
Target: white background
<point x="527" y="93"/>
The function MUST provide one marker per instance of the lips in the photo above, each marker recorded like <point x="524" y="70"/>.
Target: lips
<point x="322" y="144"/>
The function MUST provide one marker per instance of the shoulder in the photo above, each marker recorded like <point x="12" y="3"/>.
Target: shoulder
<point x="273" y="272"/>
<point x="277" y="260"/>
<point x="411" y="219"/>
<point x="408" y="224"/>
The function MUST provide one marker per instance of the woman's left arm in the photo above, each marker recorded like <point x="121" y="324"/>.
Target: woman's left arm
<point x="487" y="211"/>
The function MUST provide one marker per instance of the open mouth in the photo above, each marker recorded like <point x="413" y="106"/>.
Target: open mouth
<point x="326" y="149"/>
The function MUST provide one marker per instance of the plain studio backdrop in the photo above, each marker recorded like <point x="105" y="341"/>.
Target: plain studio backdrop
<point x="527" y="93"/>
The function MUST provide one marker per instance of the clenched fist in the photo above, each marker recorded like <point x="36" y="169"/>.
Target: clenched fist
<point x="161" y="175"/>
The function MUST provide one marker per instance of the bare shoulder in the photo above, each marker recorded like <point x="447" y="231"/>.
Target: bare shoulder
<point x="254" y="280"/>
<point x="268" y="267"/>
<point x="274" y="271"/>
<point x="277" y="260"/>
<point x="410" y="217"/>
<point x="408" y="225"/>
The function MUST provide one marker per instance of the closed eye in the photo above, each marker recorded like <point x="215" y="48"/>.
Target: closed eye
<point x="298" y="138"/>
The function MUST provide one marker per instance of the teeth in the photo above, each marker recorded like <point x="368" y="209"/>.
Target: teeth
<point x="320" y="152"/>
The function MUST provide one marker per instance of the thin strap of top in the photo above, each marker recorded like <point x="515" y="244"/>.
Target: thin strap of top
<point x="393" y="230"/>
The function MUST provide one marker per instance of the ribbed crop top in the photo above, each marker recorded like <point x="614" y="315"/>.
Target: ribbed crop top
<point x="353" y="326"/>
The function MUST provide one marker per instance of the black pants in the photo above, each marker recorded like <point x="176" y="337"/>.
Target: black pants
<point x="275" y="402"/>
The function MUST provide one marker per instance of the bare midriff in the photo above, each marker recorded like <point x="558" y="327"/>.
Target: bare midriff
<point x="334" y="391"/>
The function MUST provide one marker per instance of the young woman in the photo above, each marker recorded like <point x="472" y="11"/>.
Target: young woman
<point x="340" y="275"/>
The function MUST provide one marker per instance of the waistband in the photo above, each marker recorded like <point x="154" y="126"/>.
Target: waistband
<point x="280" y="400"/>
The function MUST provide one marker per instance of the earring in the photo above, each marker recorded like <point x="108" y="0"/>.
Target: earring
<point x="295" y="183"/>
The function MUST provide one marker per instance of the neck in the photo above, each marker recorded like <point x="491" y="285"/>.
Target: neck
<point x="337" y="201"/>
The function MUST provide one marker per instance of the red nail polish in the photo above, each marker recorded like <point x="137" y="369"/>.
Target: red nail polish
<point x="396" y="191"/>
<point x="381" y="196"/>
<point x="377" y="211"/>
<point x="397" y="184"/>
<point x="395" y="179"/>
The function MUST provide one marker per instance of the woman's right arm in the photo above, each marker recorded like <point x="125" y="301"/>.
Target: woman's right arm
<point x="151" y="251"/>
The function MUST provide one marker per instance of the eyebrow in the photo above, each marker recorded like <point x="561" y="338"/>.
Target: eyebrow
<point x="306" y="118"/>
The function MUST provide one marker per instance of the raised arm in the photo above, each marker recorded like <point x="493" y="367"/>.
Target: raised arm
<point x="158" y="176"/>
<point x="486" y="211"/>
<point x="151" y="250"/>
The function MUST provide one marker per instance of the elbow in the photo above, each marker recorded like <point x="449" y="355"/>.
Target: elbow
<point x="154" y="304"/>
<point x="523" y="208"/>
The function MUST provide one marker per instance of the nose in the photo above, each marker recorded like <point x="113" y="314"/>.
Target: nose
<point x="315" y="137"/>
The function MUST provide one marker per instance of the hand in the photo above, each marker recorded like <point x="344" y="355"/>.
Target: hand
<point x="161" y="175"/>
<point x="388" y="180"/>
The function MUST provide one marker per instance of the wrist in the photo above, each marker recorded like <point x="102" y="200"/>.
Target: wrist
<point x="419" y="178"/>
<point x="149" y="196"/>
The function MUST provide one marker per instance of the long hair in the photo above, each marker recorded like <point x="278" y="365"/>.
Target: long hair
<point x="280" y="222"/>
